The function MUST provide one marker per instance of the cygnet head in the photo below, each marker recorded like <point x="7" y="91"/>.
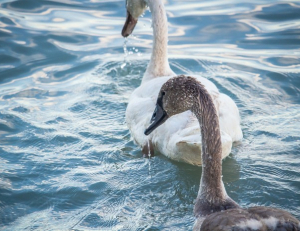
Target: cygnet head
<point x="135" y="8"/>
<point x="176" y="95"/>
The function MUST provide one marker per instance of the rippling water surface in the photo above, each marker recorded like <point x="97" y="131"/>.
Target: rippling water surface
<point x="67" y="160"/>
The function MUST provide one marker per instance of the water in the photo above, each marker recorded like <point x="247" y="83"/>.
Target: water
<point x="67" y="161"/>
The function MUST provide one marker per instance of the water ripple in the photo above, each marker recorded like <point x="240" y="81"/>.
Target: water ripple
<point x="67" y="158"/>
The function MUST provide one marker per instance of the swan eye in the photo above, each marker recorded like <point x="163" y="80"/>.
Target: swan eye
<point x="163" y="93"/>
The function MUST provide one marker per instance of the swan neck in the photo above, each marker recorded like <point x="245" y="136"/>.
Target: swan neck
<point x="159" y="64"/>
<point x="211" y="184"/>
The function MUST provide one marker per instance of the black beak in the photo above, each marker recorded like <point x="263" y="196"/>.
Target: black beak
<point x="159" y="117"/>
<point x="129" y="25"/>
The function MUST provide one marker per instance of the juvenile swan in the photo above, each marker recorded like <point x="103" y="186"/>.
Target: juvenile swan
<point x="178" y="138"/>
<point x="214" y="209"/>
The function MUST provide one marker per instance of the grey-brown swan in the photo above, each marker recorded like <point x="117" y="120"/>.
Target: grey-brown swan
<point x="214" y="209"/>
<point x="178" y="138"/>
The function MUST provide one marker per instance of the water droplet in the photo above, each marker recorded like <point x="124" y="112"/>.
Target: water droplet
<point x="123" y="65"/>
<point x="125" y="53"/>
<point x="149" y="158"/>
<point x="149" y="152"/>
<point x="125" y="48"/>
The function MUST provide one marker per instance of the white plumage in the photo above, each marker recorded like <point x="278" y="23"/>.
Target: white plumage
<point x="178" y="138"/>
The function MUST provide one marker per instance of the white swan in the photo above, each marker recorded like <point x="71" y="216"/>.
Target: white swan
<point x="178" y="138"/>
<point x="214" y="209"/>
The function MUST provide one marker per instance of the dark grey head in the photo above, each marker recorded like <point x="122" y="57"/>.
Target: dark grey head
<point x="177" y="95"/>
<point x="135" y="8"/>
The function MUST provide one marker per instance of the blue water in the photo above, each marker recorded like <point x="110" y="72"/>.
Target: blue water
<point x="67" y="160"/>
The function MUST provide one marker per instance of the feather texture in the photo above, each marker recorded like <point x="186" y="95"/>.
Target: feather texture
<point x="178" y="138"/>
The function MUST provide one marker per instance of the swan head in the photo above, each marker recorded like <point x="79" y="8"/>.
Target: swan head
<point x="176" y="95"/>
<point x="135" y="8"/>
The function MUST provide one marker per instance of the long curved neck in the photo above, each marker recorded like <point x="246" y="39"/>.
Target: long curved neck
<point x="211" y="184"/>
<point x="212" y="194"/>
<point x="159" y="64"/>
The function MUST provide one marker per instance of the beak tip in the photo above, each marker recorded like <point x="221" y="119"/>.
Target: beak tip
<point x="129" y="25"/>
<point x="124" y="32"/>
<point x="146" y="132"/>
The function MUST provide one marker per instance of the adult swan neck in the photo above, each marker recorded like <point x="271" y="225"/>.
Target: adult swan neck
<point x="212" y="196"/>
<point x="159" y="64"/>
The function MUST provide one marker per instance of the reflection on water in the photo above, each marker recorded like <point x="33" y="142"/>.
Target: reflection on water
<point x="67" y="160"/>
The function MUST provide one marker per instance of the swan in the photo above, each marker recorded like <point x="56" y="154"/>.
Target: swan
<point x="214" y="209"/>
<point x="178" y="138"/>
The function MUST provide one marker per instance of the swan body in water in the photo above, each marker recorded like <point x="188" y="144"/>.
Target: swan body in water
<point x="214" y="209"/>
<point x="178" y="138"/>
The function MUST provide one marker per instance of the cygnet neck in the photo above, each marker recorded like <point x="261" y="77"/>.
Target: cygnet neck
<point x="159" y="64"/>
<point x="211" y="146"/>
<point x="212" y="194"/>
